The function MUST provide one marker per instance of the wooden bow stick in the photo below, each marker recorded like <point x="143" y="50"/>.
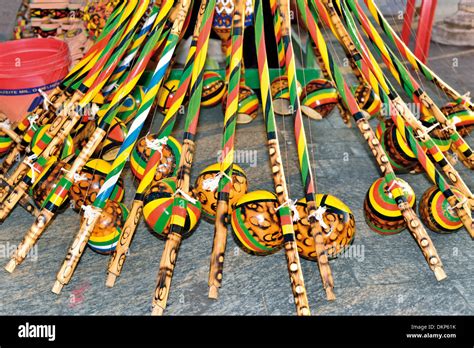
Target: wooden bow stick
<point x="293" y="262"/>
<point x="64" y="122"/>
<point x="151" y="89"/>
<point x="438" y="156"/>
<point x="157" y="19"/>
<point x="303" y="154"/>
<point x="399" y="112"/>
<point x="118" y="257"/>
<point x="181" y="197"/>
<point x="59" y="194"/>
<point x="228" y="136"/>
<point x="80" y="75"/>
<point x="418" y="65"/>
<point x="413" y="89"/>
<point x="120" y="73"/>
<point x="413" y="222"/>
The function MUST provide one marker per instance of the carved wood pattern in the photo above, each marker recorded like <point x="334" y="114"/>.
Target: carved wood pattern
<point x="120" y="253"/>
<point x="165" y="273"/>
<point x="32" y="236"/>
<point x="77" y="248"/>
<point x="13" y="198"/>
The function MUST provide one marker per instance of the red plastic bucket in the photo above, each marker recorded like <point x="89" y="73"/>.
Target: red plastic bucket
<point x="25" y="67"/>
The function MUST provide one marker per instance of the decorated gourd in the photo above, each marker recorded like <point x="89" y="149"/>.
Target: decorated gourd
<point x="170" y="155"/>
<point x="158" y="206"/>
<point x="248" y="105"/>
<point x="108" y="228"/>
<point x="381" y="210"/>
<point x="213" y="89"/>
<point x="255" y="223"/>
<point x="436" y="212"/>
<point x="400" y="155"/>
<point x="206" y="189"/>
<point x="82" y="135"/>
<point x="130" y="105"/>
<point x="95" y="15"/>
<point x="222" y="22"/>
<point x="166" y="94"/>
<point x="47" y="180"/>
<point x="437" y="135"/>
<point x="318" y="98"/>
<point x="281" y="95"/>
<point x="88" y="182"/>
<point x="338" y="227"/>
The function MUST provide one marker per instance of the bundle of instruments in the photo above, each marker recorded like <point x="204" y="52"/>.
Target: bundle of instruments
<point x="71" y="149"/>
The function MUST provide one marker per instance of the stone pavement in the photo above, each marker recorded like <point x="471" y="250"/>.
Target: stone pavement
<point x="385" y="275"/>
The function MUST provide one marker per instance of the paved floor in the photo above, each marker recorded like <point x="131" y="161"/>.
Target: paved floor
<point x="387" y="275"/>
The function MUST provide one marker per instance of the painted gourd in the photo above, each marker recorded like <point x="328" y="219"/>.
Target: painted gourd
<point x="461" y="116"/>
<point x="208" y="195"/>
<point x="281" y="95"/>
<point x="381" y="210"/>
<point x="318" y="98"/>
<point x="110" y="146"/>
<point x="107" y="230"/>
<point x="84" y="190"/>
<point x="166" y="96"/>
<point x="5" y="144"/>
<point x="398" y="152"/>
<point x="436" y="212"/>
<point x="40" y="136"/>
<point x="213" y="89"/>
<point x="367" y="99"/>
<point x="170" y="155"/>
<point x="47" y="180"/>
<point x="341" y="227"/>
<point x="248" y="105"/>
<point x="255" y="223"/>
<point x="158" y="206"/>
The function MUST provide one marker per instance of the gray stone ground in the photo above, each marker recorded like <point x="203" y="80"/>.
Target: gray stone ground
<point x="388" y="276"/>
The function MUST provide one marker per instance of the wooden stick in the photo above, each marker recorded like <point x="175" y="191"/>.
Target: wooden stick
<point x="80" y="241"/>
<point x="400" y="114"/>
<point x="46" y="215"/>
<point x="303" y="154"/>
<point x="170" y="252"/>
<point x="279" y="180"/>
<point x="119" y="255"/>
<point x="415" y="92"/>
<point x="413" y="223"/>
<point x="230" y="120"/>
